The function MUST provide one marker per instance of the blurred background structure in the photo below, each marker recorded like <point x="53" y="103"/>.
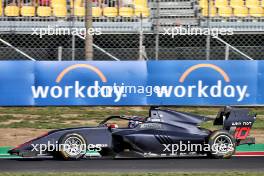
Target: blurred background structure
<point x="132" y="29"/>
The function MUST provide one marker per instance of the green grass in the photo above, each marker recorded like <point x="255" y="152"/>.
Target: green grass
<point x="4" y="117"/>
<point x="63" y="117"/>
<point x="137" y="174"/>
<point x="259" y="124"/>
<point x="54" y="111"/>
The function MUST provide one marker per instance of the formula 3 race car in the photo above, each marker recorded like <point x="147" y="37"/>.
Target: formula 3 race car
<point x="163" y="133"/>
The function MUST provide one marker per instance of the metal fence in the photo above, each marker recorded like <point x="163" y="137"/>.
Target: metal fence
<point x="156" y="36"/>
<point x="126" y="47"/>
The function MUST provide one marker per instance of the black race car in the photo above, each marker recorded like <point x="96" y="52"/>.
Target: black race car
<point x="163" y="133"/>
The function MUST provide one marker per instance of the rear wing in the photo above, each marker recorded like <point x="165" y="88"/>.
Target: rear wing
<point x="229" y="117"/>
<point x="237" y="121"/>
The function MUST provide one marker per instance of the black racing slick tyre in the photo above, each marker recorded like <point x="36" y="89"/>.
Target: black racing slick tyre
<point x="222" y="145"/>
<point x="72" y="146"/>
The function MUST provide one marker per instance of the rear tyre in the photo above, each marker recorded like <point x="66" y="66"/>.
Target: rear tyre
<point x="222" y="145"/>
<point x="72" y="146"/>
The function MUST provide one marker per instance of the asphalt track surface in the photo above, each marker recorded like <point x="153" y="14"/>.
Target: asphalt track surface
<point x="134" y="165"/>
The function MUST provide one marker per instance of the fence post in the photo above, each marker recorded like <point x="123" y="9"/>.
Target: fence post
<point x="141" y="40"/>
<point x="208" y="37"/>
<point x="60" y="53"/>
<point x="227" y="52"/>
<point x="73" y="47"/>
<point x="88" y="25"/>
<point x="208" y="47"/>
<point x="157" y="29"/>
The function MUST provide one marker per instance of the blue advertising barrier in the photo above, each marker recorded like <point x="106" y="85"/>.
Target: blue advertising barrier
<point x="201" y="83"/>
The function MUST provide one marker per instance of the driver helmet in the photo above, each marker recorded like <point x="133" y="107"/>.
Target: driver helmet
<point x="134" y="122"/>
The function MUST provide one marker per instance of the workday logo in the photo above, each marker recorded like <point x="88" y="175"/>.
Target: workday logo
<point x="77" y="90"/>
<point x="202" y="89"/>
<point x="70" y="85"/>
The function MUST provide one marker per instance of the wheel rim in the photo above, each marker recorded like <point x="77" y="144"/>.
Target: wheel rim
<point x="74" y="146"/>
<point x="223" y="145"/>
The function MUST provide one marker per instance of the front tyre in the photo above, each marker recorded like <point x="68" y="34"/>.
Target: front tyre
<point x="222" y="145"/>
<point x="72" y="146"/>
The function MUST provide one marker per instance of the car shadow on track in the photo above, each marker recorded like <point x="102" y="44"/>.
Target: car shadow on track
<point x="105" y="158"/>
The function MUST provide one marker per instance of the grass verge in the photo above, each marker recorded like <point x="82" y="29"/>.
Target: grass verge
<point x="63" y="117"/>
